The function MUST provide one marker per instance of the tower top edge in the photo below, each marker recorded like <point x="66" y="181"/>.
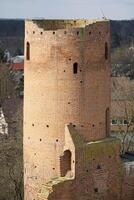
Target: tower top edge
<point x="49" y="24"/>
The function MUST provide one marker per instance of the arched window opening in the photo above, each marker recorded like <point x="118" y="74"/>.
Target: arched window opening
<point x="65" y="163"/>
<point x="75" y="68"/>
<point x="106" y="50"/>
<point x="28" y="51"/>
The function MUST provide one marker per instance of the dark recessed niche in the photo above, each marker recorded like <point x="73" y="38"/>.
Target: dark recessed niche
<point x="76" y="162"/>
<point x="99" y="32"/>
<point x="93" y="158"/>
<point x="69" y="58"/>
<point x="35" y="154"/>
<point x="57" y="140"/>
<point x="41" y="33"/>
<point x="47" y="126"/>
<point x="82" y="125"/>
<point x="35" y="166"/>
<point x="80" y="70"/>
<point x="28" y="138"/>
<point x="98" y="167"/>
<point x="68" y="102"/>
<point x="65" y="32"/>
<point x="64" y="70"/>
<point x="73" y="161"/>
<point x="40" y="139"/>
<point x="77" y="32"/>
<point x="74" y="125"/>
<point x="36" y="177"/>
<point x="96" y="190"/>
<point x="81" y="81"/>
<point x="89" y="32"/>
<point x="75" y="68"/>
<point x="109" y="156"/>
<point x="87" y="170"/>
<point x="32" y="124"/>
<point x="53" y="168"/>
<point x="54" y="33"/>
<point x="33" y="32"/>
<point x="93" y="125"/>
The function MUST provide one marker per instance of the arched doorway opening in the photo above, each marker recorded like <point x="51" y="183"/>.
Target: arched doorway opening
<point x="65" y="163"/>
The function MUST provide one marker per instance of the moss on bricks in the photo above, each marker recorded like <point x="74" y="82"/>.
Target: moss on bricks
<point x="56" y="24"/>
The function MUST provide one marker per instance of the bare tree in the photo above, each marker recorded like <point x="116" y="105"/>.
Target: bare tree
<point x="128" y="130"/>
<point x="123" y="109"/>
<point x="11" y="149"/>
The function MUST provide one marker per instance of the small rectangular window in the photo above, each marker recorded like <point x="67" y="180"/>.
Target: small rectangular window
<point x="114" y="122"/>
<point x="125" y="122"/>
<point x="120" y="122"/>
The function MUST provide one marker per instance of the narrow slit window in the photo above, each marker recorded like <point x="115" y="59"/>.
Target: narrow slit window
<point x="28" y="51"/>
<point x="107" y="121"/>
<point x="106" y="50"/>
<point x="75" y="68"/>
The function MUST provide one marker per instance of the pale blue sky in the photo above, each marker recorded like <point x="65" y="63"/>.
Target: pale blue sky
<point x="113" y="9"/>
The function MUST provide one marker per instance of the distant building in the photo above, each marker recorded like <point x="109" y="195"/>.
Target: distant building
<point x="7" y="56"/>
<point x="3" y="124"/>
<point x="17" y="63"/>
<point x="122" y="104"/>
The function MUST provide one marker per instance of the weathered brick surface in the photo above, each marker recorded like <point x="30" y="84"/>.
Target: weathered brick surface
<point x="94" y="176"/>
<point x="55" y="96"/>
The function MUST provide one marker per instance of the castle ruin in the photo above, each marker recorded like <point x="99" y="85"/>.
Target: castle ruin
<point x="68" y="153"/>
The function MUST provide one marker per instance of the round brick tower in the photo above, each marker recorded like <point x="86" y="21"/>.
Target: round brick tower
<point x="67" y="67"/>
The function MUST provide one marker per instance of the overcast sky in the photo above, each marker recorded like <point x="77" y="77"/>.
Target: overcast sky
<point x="112" y="9"/>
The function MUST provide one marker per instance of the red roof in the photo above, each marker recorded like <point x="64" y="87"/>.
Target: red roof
<point x="17" y="66"/>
